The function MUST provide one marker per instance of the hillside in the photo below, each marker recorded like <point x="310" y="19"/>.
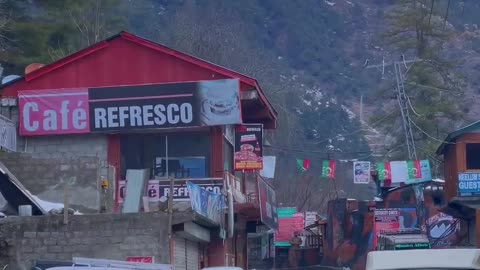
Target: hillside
<point x="308" y="55"/>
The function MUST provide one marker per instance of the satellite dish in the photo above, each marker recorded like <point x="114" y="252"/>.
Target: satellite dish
<point x="33" y="67"/>
<point x="9" y="78"/>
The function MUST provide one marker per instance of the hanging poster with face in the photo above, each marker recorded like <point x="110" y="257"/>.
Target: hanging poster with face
<point x="361" y="172"/>
<point x="134" y="107"/>
<point x="248" y="147"/>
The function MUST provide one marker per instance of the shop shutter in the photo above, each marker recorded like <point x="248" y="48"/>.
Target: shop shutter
<point x="192" y="255"/>
<point x="186" y="254"/>
<point x="179" y="254"/>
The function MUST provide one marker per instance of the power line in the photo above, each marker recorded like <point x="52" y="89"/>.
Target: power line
<point x="430" y="136"/>
<point x="301" y="152"/>
<point x="373" y="125"/>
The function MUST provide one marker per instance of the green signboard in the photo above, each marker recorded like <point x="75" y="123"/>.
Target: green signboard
<point x="404" y="246"/>
<point x="286" y="212"/>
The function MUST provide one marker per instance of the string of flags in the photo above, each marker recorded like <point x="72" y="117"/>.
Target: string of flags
<point x="328" y="167"/>
<point x="390" y="174"/>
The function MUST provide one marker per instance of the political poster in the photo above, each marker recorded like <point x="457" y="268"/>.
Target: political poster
<point x="361" y="172"/>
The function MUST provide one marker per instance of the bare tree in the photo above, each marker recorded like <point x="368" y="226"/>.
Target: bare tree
<point x="91" y="21"/>
<point x="4" y="20"/>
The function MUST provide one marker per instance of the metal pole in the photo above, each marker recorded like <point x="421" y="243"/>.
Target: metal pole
<point x="170" y="201"/>
<point x="402" y="102"/>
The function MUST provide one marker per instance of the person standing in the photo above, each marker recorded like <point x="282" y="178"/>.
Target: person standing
<point x="295" y="243"/>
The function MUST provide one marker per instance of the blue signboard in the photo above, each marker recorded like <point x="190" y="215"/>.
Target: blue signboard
<point x="206" y="203"/>
<point x="468" y="184"/>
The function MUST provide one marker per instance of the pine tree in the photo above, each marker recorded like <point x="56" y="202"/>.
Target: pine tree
<point x="419" y="29"/>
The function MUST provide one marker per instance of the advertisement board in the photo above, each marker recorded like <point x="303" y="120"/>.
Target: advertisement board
<point x="268" y="204"/>
<point x="393" y="220"/>
<point x="206" y="203"/>
<point x="248" y="147"/>
<point x="468" y="184"/>
<point x="135" y="107"/>
<point x="385" y="220"/>
<point x="289" y="221"/>
<point x="158" y="188"/>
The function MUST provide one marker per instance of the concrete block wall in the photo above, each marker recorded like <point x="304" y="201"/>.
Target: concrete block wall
<point x="106" y="236"/>
<point x="46" y="162"/>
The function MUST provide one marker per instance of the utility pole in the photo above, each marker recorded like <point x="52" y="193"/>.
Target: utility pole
<point x="402" y="101"/>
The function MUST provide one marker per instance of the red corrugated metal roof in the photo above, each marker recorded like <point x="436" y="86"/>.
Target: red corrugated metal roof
<point x="10" y="88"/>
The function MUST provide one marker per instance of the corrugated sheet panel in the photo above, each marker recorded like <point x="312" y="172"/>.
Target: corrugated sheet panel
<point x="136" y="181"/>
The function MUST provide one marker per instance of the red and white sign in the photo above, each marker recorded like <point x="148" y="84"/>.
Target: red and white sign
<point x="59" y="111"/>
<point x="142" y="259"/>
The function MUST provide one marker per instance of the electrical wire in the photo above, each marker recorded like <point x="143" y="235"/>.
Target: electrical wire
<point x="411" y="106"/>
<point x="329" y="154"/>
<point x="428" y="135"/>
<point x="372" y="126"/>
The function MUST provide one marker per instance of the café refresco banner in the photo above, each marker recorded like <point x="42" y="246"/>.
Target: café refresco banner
<point x="135" y="107"/>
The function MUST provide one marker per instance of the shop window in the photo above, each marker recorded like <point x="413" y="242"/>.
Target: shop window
<point x="188" y="155"/>
<point x="473" y="156"/>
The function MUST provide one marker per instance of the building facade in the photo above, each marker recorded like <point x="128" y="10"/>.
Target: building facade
<point x="460" y="151"/>
<point x="127" y="103"/>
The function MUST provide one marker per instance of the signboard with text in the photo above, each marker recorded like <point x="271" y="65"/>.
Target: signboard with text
<point x="289" y="221"/>
<point x="158" y="188"/>
<point x="385" y="220"/>
<point x="468" y="184"/>
<point x="248" y="147"/>
<point x="135" y="107"/>
<point x="141" y="259"/>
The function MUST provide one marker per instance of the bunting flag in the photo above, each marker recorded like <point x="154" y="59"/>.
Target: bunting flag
<point x="328" y="169"/>
<point x="414" y="170"/>
<point x="303" y="165"/>
<point x="384" y="172"/>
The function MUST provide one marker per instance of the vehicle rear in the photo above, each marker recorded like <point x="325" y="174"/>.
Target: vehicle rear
<point x="422" y="259"/>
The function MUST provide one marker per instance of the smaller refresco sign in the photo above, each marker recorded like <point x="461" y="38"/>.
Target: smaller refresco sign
<point x="468" y="184"/>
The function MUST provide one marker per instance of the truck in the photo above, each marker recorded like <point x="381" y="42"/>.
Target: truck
<point x="402" y="240"/>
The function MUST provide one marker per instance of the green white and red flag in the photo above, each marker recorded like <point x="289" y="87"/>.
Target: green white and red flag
<point x="384" y="173"/>
<point x="303" y="165"/>
<point x="328" y="169"/>
<point x="414" y="170"/>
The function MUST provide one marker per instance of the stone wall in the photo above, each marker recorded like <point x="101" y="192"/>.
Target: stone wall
<point x="109" y="236"/>
<point x="45" y="163"/>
